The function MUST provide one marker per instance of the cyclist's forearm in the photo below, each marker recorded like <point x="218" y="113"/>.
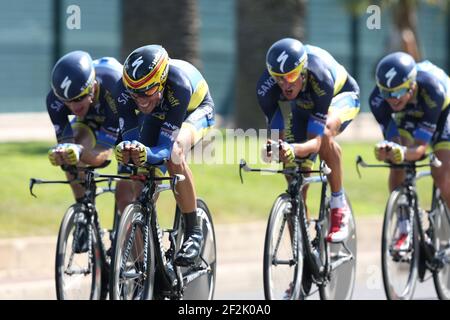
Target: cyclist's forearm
<point x="96" y="156"/>
<point x="415" y="152"/>
<point x="309" y="147"/>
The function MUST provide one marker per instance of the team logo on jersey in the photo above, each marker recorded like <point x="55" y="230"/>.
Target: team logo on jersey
<point x="112" y="104"/>
<point x="426" y="97"/>
<point x="56" y="105"/>
<point x="266" y="86"/>
<point x="121" y="123"/>
<point x="171" y="98"/>
<point x="316" y="87"/>
<point x="159" y="115"/>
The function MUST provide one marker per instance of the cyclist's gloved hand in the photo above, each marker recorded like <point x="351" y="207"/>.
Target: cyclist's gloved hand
<point x="138" y="152"/>
<point x="397" y="153"/>
<point x="121" y="151"/>
<point x="266" y="155"/>
<point x="287" y="153"/>
<point x="65" y="153"/>
<point x="380" y="150"/>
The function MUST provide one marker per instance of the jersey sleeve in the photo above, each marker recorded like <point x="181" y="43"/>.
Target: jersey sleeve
<point x="109" y="131"/>
<point x="268" y="94"/>
<point x="321" y="85"/>
<point x="431" y="98"/>
<point x="127" y="113"/>
<point x="383" y="115"/>
<point x="59" y="118"/>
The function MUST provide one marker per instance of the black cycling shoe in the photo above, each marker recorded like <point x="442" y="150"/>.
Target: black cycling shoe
<point x="190" y="249"/>
<point x="80" y="239"/>
<point x="80" y="234"/>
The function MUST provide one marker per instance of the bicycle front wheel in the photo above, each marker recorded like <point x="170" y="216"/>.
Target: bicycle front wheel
<point x="441" y="227"/>
<point x="342" y="279"/>
<point x="80" y="273"/>
<point x="399" y="266"/>
<point x="132" y="269"/>
<point x="283" y="253"/>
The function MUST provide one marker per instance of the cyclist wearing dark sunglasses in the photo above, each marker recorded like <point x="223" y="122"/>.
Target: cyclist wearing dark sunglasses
<point x="81" y="89"/>
<point x="411" y="104"/>
<point x="165" y="108"/>
<point x="323" y="100"/>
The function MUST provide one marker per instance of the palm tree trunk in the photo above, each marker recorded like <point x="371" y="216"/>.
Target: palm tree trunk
<point x="174" y="24"/>
<point x="259" y="24"/>
<point x="405" y="22"/>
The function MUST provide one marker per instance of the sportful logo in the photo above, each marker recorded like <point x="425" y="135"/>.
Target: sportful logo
<point x="136" y="65"/>
<point x="282" y="58"/>
<point x="65" y="85"/>
<point x="390" y="75"/>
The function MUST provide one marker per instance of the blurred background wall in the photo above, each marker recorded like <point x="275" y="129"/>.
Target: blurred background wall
<point x="226" y="39"/>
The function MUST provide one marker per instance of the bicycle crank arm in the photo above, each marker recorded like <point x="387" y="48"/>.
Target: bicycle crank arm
<point x="290" y="263"/>
<point x="191" y="276"/>
<point x="444" y="255"/>
<point x="131" y="275"/>
<point x="341" y="260"/>
<point x="83" y="271"/>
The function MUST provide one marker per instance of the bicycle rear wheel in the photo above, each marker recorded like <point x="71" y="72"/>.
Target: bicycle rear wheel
<point x="283" y="253"/>
<point x="203" y="287"/>
<point x="82" y="275"/>
<point x="342" y="279"/>
<point x="441" y="227"/>
<point x="132" y="272"/>
<point x="399" y="268"/>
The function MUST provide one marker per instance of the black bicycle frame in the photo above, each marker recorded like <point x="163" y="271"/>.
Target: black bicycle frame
<point x="409" y="187"/>
<point x="320" y="271"/>
<point x="174" y="285"/>
<point x="89" y="182"/>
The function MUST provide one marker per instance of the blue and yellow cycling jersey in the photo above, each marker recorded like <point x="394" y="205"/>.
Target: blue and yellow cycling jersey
<point x="102" y="117"/>
<point x="325" y="79"/>
<point x="185" y="92"/>
<point x="421" y="115"/>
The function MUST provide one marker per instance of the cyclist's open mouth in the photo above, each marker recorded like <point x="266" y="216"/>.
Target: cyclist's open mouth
<point x="79" y="112"/>
<point x="288" y="93"/>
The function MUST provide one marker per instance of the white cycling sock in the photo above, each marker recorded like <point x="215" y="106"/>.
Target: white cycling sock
<point x="338" y="199"/>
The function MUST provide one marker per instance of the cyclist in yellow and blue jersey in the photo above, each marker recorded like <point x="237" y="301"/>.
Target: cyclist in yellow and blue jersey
<point x="411" y="103"/>
<point x="165" y="108"/>
<point x="81" y="87"/>
<point x="323" y="99"/>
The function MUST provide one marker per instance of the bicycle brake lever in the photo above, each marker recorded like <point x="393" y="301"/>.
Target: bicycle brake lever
<point x="435" y="162"/>
<point x="242" y="164"/>
<point x="32" y="182"/>
<point x="325" y="169"/>
<point x="358" y="161"/>
<point x="176" y="178"/>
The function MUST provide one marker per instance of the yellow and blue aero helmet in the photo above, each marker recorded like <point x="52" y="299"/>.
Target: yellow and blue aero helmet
<point x="145" y="70"/>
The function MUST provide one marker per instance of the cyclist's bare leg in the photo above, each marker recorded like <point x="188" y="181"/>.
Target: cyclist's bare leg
<point x="126" y="193"/>
<point x="441" y="175"/>
<point x="186" y="197"/>
<point x="397" y="176"/>
<point x="84" y="137"/>
<point x="331" y="152"/>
